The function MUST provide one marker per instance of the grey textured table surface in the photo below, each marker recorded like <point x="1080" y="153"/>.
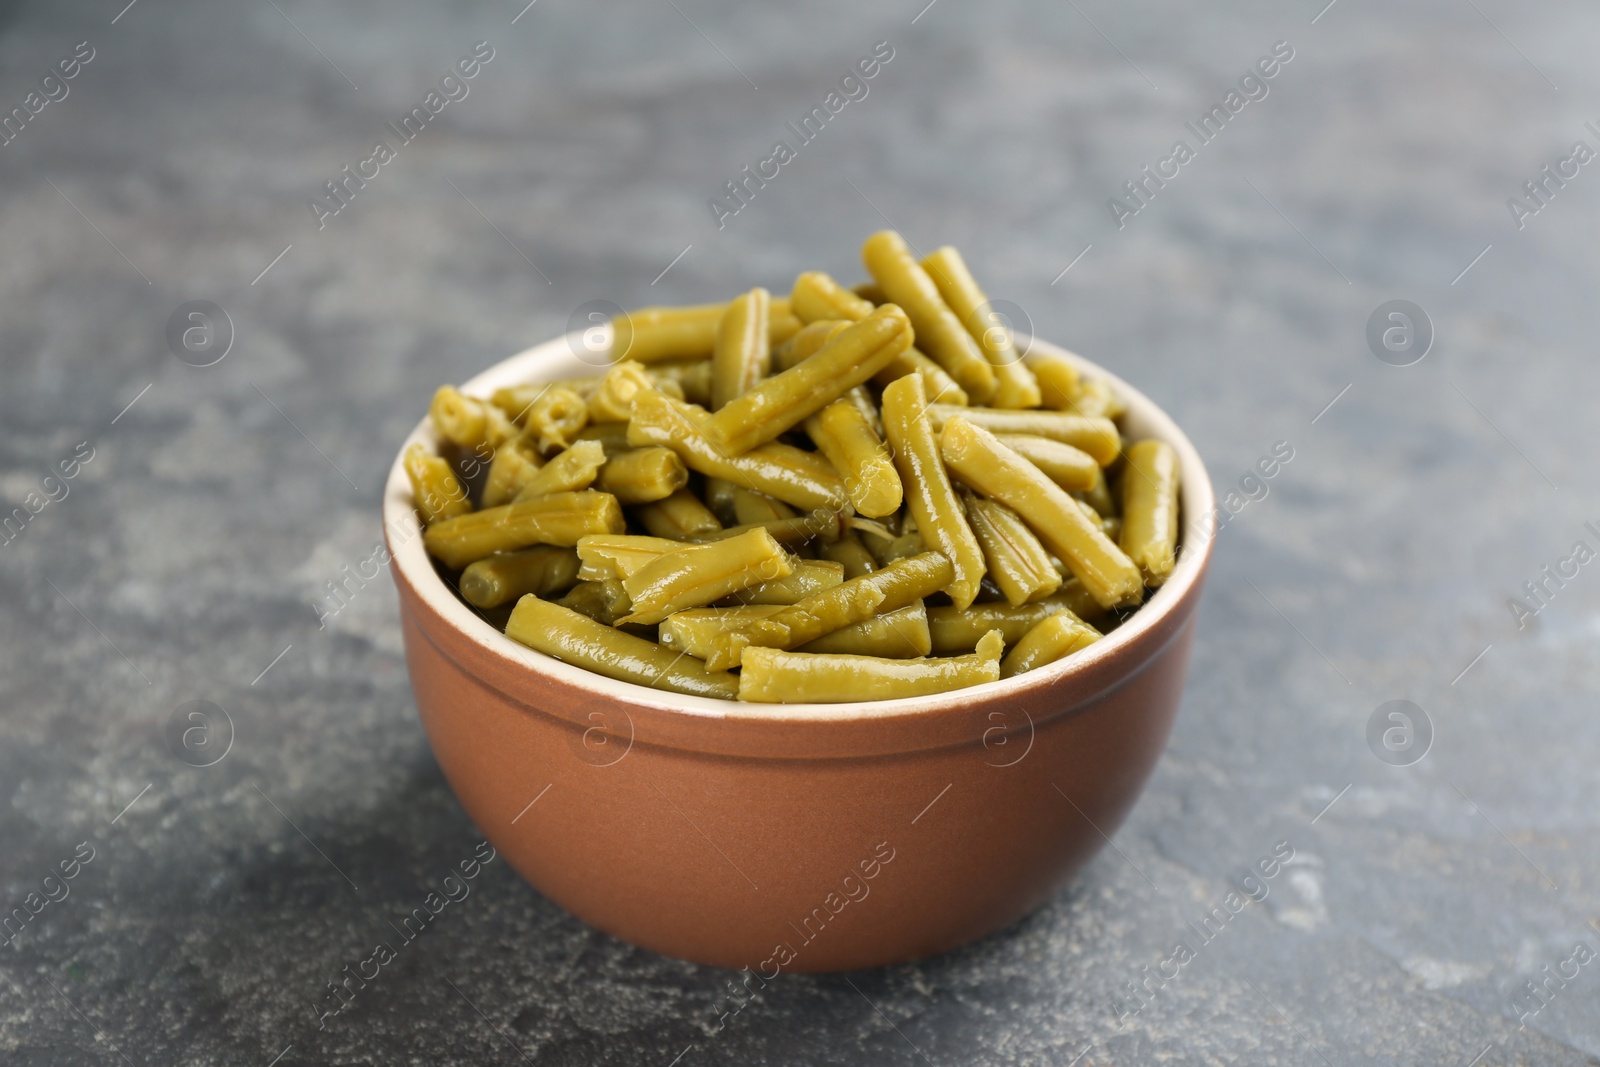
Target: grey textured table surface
<point x="184" y="561"/>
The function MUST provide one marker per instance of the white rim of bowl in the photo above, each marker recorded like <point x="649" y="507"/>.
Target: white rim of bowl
<point x="559" y="358"/>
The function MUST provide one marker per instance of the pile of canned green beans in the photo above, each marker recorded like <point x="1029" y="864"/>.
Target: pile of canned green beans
<point x="842" y="495"/>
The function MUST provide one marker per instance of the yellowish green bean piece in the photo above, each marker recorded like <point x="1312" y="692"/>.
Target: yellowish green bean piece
<point x="696" y="575"/>
<point x="1057" y="377"/>
<point x="849" y="552"/>
<point x="978" y="458"/>
<point x="816" y="296"/>
<point x="1097" y="399"/>
<point x="571" y="637"/>
<point x="1018" y="564"/>
<point x="682" y="380"/>
<point x="613" y="436"/>
<point x="781" y="322"/>
<point x="605" y="602"/>
<point x="750" y="508"/>
<point x="504" y="577"/>
<point x="1055" y="638"/>
<point x="512" y="468"/>
<point x="642" y="475"/>
<point x="796" y="477"/>
<point x="772" y="676"/>
<point x="555" y="418"/>
<point x="655" y="334"/>
<point x="900" y="634"/>
<point x="467" y="421"/>
<point x="939" y="332"/>
<point x="618" y="555"/>
<point x="810" y="340"/>
<point x="557" y="519"/>
<point x="435" y="490"/>
<point x="808" y="577"/>
<point x="1072" y="469"/>
<point x="894" y="587"/>
<point x="568" y="472"/>
<point x="680" y="516"/>
<point x="1096" y="436"/>
<point x="870" y="292"/>
<point x="939" y="386"/>
<point x="954" y="631"/>
<point x="767" y="409"/>
<point x="1150" y="509"/>
<point x="743" y="353"/>
<point x="820" y="525"/>
<point x="930" y="498"/>
<point x="843" y="433"/>
<point x="1015" y="385"/>
<point x="613" y="400"/>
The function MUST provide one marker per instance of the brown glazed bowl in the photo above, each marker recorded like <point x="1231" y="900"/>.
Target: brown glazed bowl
<point x="798" y="837"/>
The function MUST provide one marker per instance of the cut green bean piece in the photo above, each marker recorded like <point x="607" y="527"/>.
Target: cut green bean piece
<point x="680" y="516"/>
<point x="467" y="421"/>
<point x="768" y="408"/>
<point x="1150" y="509"/>
<point x="1057" y="377"/>
<point x="557" y="519"/>
<point x="1098" y="437"/>
<point x="979" y="459"/>
<point x="1072" y="469"/>
<point x="1015" y="385"/>
<point x="643" y="475"/>
<point x="939" y="332"/>
<point x="849" y="552"/>
<point x="773" y="676"/>
<point x="895" y="586"/>
<point x="696" y="575"/>
<point x="604" y="602"/>
<point x="808" y="577"/>
<point x="684" y="380"/>
<point x="954" y="631"/>
<point x="612" y="401"/>
<point x="930" y="498"/>
<point x="512" y="468"/>
<point x="571" y="637"/>
<point x="900" y="634"/>
<point x="567" y="472"/>
<point x="604" y="556"/>
<point x="1055" y="638"/>
<point x="750" y="508"/>
<point x="821" y="525"/>
<point x="554" y="420"/>
<point x="843" y="433"/>
<point x="743" y="352"/>
<point x="1017" y="562"/>
<point x="796" y="477"/>
<point x="435" y="490"/>
<point x="506" y="576"/>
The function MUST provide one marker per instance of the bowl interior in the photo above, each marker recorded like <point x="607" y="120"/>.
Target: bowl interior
<point x="575" y="355"/>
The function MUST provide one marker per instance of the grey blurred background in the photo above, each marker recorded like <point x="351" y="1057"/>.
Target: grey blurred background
<point x="182" y="560"/>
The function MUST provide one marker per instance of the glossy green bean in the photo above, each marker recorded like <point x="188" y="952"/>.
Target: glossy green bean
<point x="468" y="421"/>
<point x="435" y="490"/>
<point x="573" y="638"/>
<point x="1055" y="638"/>
<point x="642" y="475"/>
<point x="1072" y="469"/>
<point x="743" y="353"/>
<point x="1017" y="563"/>
<point x="1057" y="377"/>
<point x="793" y="476"/>
<point x="849" y="552"/>
<point x="612" y="400"/>
<point x="697" y="575"/>
<point x="567" y="472"/>
<point x="680" y="516"/>
<point x="768" y="408"/>
<point x="930" y="498"/>
<point x="618" y="555"/>
<point x="980" y="460"/>
<point x="688" y="380"/>
<point x="1097" y="437"/>
<point x="899" y="634"/>
<point x="954" y="631"/>
<point x="512" y="468"/>
<point x="554" y="420"/>
<point x="506" y="576"/>
<point x="1015" y="385"/>
<point x="773" y="676"/>
<point x="1150" y="509"/>
<point x="939" y="332"/>
<point x="843" y="433"/>
<point x="557" y="519"/>
<point x="809" y="576"/>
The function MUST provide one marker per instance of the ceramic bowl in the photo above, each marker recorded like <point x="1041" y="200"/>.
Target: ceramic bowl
<point x="794" y="837"/>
